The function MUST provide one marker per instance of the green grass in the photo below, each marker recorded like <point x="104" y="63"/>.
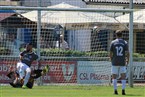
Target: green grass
<point x="70" y="91"/>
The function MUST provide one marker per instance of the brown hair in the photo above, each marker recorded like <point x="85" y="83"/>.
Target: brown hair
<point x="118" y="33"/>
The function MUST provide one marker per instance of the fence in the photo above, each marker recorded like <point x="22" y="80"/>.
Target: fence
<point x="86" y="35"/>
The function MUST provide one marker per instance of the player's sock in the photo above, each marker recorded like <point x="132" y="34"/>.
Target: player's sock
<point x="115" y="92"/>
<point x="21" y="73"/>
<point x="115" y="84"/>
<point x="123" y="84"/>
<point x="28" y="72"/>
<point x="123" y="92"/>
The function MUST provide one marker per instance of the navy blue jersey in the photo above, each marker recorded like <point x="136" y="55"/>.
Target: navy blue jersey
<point x="28" y="57"/>
<point x="118" y="48"/>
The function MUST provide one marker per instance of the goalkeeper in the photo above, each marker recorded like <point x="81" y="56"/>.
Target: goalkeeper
<point x="17" y="82"/>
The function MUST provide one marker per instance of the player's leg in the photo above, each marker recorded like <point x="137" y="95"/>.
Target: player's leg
<point x="14" y="81"/>
<point x="30" y="83"/>
<point x="20" y="70"/>
<point x="37" y="73"/>
<point x="27" y="75"/>
<point x="114" y="71"/>
<point x="123" y="78"/>
<point x="11" y="76"/>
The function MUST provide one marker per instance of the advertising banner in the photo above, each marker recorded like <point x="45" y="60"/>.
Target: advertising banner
<point x="138" y="71"/>
<point x="96" y="72"/>
<point x="93" y="72"/>
<point x="81" y="72"/>
<point x="60" y="71"/>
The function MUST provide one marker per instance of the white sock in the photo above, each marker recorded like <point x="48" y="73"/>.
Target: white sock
<point x="123" y="84"/>
<point x="28" y="72"/>
<point x="21" y="73"/>
<point x="115" y="84"/>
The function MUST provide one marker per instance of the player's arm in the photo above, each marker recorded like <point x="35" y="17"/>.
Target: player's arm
<point x="127" y="55"/>
<point x="37" y="58"/>
<point x="21" y="55"/>
<point x="111" y="51"/>
<point x="111" y="55"/>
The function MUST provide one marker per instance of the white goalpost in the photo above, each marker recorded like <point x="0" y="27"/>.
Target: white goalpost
<point x="81" y="56"/>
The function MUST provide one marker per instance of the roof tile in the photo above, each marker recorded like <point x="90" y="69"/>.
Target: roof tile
<point x="5" y="15"/>
<point x="116" y="1"/>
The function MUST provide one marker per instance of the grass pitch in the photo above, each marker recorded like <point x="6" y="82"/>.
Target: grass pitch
<point x="70" y="91"/>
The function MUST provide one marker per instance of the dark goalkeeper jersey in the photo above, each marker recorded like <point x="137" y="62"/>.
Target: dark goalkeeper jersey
<point x="118" y="47"/>
<point x="28" y="58"/>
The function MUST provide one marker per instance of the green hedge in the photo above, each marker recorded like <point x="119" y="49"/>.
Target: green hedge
<point x="72" y="53"/>
<point x="58" y="52"/>
<point x="4" y="51"/>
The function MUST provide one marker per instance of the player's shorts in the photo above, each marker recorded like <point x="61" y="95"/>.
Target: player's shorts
<point x="118" y="69"/>
<point x="22" y="68"/>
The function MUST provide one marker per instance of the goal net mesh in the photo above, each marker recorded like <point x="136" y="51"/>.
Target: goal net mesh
<point x="75" y="44"/>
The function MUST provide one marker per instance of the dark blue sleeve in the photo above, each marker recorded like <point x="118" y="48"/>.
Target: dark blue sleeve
<point x="35" y="56"/>
<point x="111" y="47"/>
<point x="22" y="53"/>
<point x="126" y="46"/>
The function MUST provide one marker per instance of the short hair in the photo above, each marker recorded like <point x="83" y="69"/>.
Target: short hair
<point x="29" y="44"/>
<point x="118" y="33"/>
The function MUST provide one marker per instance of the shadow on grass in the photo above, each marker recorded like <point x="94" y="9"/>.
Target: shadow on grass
<point x="134" y="95"/>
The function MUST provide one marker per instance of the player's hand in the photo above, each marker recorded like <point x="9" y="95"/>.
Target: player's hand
<point x="110" y="59"/>
<point x="21" y="57"/>
<point x="22" y="81"/>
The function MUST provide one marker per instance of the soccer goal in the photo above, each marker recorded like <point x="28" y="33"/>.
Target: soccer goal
<point x="73" y="41"/>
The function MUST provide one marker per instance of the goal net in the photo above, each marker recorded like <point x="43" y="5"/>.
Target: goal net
<point x="75" y="44"/>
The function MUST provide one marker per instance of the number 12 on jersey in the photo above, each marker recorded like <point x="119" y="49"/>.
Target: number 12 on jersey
<point x="119" y="50"/>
